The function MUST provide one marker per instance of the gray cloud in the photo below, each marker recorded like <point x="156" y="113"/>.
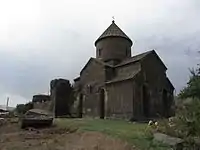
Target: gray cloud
<point x="43" y="40"/>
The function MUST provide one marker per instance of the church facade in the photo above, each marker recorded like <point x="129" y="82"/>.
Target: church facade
<point x="116" y="84"/>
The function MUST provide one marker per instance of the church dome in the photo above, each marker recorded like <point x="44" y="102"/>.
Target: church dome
<point x="113" y="31"/>
<point x="113" y="45"/>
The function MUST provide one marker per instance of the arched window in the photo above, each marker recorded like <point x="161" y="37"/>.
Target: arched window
<point x="165" y="102"/>
<point x="146" y="97"/>
<point x="99" y="51"/>
<point x="89" y="88"/>
<point x="127" y="51"/>
<point x="102" y="103"/>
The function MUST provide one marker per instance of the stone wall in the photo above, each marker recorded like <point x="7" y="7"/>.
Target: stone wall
<point x="43" y="105"/>
<point x="155" y="78"/>
<point x="61" y="91"/>
<point x="40" y="98"/>
<point x="113" y="48"/>
<point x="119" y="100"/>
<point x="42" y="102"/>
<point x="91" y="80"/>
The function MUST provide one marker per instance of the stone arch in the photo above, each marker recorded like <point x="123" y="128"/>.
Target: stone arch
<point x="165" y="102"/>
<point x="102" y="103"/>
<point x="80" y="106"/>
<point x="146" y="100"/>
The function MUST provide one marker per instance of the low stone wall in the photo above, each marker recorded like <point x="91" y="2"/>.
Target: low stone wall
<point x="43" y="105"/>
<point x="41" y="101"/>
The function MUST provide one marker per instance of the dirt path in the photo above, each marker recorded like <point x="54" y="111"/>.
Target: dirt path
<point x="13" y="138"/>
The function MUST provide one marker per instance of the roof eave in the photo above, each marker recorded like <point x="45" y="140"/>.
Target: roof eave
<point x="112" y="82"/>
<point x="130" y="78"/>
<point x="96" y="60"/>
<point x="99" y="39"/>
<point x="77" y="79"/>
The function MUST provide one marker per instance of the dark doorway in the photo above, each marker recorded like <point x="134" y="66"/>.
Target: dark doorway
<point x="165" y="103"/>
<point x="80" y="106"/>
<point x="145" y="101"/>
<point x="102" y="104"/>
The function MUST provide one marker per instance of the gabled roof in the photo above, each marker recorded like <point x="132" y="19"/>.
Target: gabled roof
<point x="134" y="58"/>
<point x="113" y="31"/>
<point x="139" y="58"/>
<point x="126" y="76"/>
<point x="96" y="60"/>
<point x="132" y="61"/>
<point x="102" y="62"/>
<point x="169" y="82"/>
<point x="77" y="79"/>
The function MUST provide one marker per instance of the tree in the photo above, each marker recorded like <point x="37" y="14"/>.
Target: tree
<point x="20" y="108"/>
<point x="192" y="90"/>
<point x="23" y="108"/>
<point x="188" y="114"/>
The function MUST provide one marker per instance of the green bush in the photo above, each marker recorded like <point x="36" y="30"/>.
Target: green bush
<point x="188" y="118"/>
<point x="192" y="89"/>
<point x="23" y="108"/>
<point x="188" y="114"/>
<point x="186" y="123"/>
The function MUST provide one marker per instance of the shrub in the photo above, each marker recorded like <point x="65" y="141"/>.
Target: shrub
<point x="188" y="118"/>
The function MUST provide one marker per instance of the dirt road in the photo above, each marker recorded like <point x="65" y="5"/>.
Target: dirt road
<point x="14" y="138"/>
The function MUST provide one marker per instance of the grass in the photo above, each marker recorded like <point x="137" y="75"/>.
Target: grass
<point x="132" y="133"/>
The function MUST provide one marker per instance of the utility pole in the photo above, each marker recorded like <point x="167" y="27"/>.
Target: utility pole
<point x="48" y="92"/>
<point x="7" y="103"/>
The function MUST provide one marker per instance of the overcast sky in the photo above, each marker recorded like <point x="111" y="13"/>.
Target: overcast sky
<point x="45" y="39"/>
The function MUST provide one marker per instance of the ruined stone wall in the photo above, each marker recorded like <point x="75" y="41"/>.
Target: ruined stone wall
<point x="42" y="102"/>
<point x="61" y="91"/>
<point x="40" y="98"/>
<point x="42" y="105"/>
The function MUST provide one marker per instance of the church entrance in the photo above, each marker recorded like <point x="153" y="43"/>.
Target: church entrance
<point x="145" y="101"/>
<point x="80" y="106"/>
<point x="102" y="104"/>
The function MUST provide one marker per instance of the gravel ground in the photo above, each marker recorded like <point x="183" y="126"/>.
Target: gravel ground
<point x="14" y="138"/>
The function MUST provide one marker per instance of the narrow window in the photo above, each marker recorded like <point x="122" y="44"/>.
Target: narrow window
<point x="99" y="52"/>
<point x="89" y="89"/>
<point x="126" y="51"/>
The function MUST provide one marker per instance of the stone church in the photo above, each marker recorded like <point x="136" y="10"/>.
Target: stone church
<point x="116" y="84"/>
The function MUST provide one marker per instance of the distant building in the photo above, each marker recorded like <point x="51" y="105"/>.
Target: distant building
<point x="4" y="110"/>
<point x="117" y="84"/>
<point x="41" y="101"/>
<point x="59" y="99"/>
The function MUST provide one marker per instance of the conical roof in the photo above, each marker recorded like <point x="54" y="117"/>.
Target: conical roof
<point x="113" y="31"/>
